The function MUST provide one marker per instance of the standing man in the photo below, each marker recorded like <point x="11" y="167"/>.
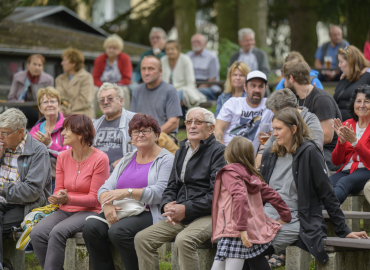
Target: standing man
<point x="206" y="66"/>
<point x="255" y="58"/>
<point x="330" y="49"/>
<point x="112" y="128"/>
<point x="157" y="98"/>
<point x="242" y="116"/>
<point x="157" y="38"/>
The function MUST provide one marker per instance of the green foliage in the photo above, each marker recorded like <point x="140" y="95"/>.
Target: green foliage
<point x="225" y="49"/>
<point x="32" y="263"/>
<point x="7" y="7"/>
<point x="165" y="261"/>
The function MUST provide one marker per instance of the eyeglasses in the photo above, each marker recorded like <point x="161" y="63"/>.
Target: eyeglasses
<point x="346" y="49"/>
<point x="51" y="102"/>
<point x="196" y="122"/>
<point x="109" y="100"/>
<point x="144" y="131"/>
<point x="6" y="134"/>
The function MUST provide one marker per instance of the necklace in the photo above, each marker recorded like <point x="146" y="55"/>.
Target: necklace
<point x="304" y="101"/>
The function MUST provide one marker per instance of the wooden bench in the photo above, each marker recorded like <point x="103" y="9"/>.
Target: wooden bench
<point x="12" y="256"/>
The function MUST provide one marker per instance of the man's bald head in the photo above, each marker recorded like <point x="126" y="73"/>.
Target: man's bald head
<point x="335" y="34"/>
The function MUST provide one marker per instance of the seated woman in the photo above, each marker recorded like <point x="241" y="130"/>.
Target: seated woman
<point x="234" y="85"/>
<point x="81" y="171"/>
<point x="75" y="85"/>
<point x="48" y="129"/>
<point x="295" y="167"/>
<point x="141" y="175"/>
<point x="353" y="146"/>
<point x="356" y="72"/>
<point x="114" y="66"/>
<point x="177" y="69"/>
<point x="26" y="83"/>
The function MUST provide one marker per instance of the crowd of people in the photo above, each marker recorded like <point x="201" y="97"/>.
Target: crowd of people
<point x="254" y="176"/>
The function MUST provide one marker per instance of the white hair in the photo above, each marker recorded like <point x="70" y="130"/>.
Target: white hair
<point x="13" y="118"/>
<point x="245" y="32"/>
<point x="158" y="29"/>
<point x="205" y="40"/>
<point x="114" y="86"/>
<point x="208" y="115"/>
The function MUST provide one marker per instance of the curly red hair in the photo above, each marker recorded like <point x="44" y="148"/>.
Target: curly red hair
<point x="81" y="125"/>
<point x="143" y="121"/>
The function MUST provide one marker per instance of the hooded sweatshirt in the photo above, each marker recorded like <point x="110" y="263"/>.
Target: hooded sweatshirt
<point x="238" y="206"/>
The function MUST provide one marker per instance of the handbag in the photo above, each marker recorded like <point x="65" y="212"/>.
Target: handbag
<point x="130" y="207"/>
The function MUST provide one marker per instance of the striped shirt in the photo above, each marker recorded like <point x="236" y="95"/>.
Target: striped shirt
<point x="9" y="167"/>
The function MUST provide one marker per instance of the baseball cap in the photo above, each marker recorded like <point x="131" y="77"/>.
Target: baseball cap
<point x="256" y="74"/>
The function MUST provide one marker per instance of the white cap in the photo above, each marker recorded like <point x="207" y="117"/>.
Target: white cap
<point x="256" y="74"/>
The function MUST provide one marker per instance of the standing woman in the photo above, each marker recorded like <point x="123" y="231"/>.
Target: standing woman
<point x="81" y="171"/>
<point x="75" y="85"/>
<point x="295" y="167"/>
<point x="141" y="175"/>
<point x="234" y="85"/>
<point x="356" y="72"/>
<point x="353" y="146"/>
<point x="177" y="69"/>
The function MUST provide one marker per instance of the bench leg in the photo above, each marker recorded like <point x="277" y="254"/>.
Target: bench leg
<point x="297" y="259"/>
<point x="15" y="257"/>
<point x="353" y="203"/>
<point x="206" y="257"/>
<point x="348" y="260"/>
<point x="76" y="256"/>
<point x="366" y="208"/>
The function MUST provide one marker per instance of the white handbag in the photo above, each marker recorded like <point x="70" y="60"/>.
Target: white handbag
<point x="130" y="207"/>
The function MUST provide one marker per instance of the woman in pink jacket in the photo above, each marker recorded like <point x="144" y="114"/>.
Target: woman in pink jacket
<point x="238" y="219"/>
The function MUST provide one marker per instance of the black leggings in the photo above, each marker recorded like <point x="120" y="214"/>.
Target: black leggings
<point x="259" y="262"/>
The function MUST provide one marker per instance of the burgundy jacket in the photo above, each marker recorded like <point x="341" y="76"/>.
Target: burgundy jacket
<point x="238" y="206"/>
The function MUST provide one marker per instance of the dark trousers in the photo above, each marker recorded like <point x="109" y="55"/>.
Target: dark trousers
<point x="11" y="215"/>
<point x="259" y="262"/>
<point x="98" y="236"/>
<point x="345" y="183"/>
<point x="329" y="163"/>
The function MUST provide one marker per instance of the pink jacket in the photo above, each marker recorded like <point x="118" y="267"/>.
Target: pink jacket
<point x="238" y="206"/>
<point x="56" y="136"/>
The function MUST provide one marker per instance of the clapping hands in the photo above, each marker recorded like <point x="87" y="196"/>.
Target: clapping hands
<point x="60" y="198"/>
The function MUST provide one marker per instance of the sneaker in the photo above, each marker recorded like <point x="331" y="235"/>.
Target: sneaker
<point x="29" y="249"/>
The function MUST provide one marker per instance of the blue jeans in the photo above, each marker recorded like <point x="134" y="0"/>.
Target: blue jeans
<point x="180" y="93"/>
<point x="345" y="183"/>
<point x="209" y="92"/>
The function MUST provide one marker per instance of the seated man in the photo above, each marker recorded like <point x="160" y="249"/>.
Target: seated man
<point x="329" y="52"/>
<point x="242" y="116"/>
<point x="25" y="173"/>
<point x="321" y="103"/>
<point x="156" y="97"/>
<point x="206" y="66"/>
<point x="187" y="200"/>
<point x="112" y="128"/>
<point x="255" y="58"/>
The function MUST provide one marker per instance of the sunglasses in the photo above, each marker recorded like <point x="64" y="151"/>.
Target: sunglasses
<point x="346" y="49"/>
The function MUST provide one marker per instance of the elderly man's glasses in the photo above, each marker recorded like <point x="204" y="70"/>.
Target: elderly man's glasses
<point x="144" y="131"/>
<point x="109" y="100"/>
<point x="6" y="134"/>
<point x="196" y="122"/>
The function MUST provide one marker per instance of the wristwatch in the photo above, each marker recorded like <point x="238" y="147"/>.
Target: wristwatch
<point x="130" y="191"/>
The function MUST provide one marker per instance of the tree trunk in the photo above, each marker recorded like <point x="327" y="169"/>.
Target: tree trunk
<point x="227" y="19"/>
<point x="358" y="24"/>
<point x="253" y="14"/>
<point x="185" y="21"/>
<point x="302" y="22"/>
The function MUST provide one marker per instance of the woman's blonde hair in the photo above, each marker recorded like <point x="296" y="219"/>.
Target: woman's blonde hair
<point x="244" y="68"/>
<point x="114" y="40"/>
<point x="356" y="62"/>
<point x="50" y="92"/>
<point x="240" y="150"/>
<point x="291" y="117"/>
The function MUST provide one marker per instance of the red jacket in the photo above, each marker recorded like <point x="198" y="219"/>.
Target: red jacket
<point x="238" y="206"/>
<point x="343" y="152"/>
<point x="367" y="50"/>
<point x="124" y="65"/>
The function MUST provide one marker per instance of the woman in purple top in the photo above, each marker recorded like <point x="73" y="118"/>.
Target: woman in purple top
<point x="141" y="175"/>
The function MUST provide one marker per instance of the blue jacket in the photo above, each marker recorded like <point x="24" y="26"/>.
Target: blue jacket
<point x="315" y="73"/>
<point x="221" y="101"/>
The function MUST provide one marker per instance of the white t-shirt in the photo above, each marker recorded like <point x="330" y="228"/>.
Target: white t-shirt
<point x="359" y="133"/>
<point x="243" y="119"/>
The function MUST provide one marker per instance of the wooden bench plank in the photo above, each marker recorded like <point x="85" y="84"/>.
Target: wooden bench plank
<point x="350" y="214"/>
<point x="347" y="242"/>
<point x="361" y="193"/>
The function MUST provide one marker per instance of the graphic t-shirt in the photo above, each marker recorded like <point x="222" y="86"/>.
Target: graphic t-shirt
<point x="109" y="139"/>
<point x="244" y="120"/>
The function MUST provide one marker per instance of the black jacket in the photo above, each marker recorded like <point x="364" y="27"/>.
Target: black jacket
<point x="196" y="193"/>
<point x="313" y="187"/>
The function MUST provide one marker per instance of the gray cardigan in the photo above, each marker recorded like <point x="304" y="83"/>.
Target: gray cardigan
<point x="159" y="173"/>
<point x="262" y="60"/>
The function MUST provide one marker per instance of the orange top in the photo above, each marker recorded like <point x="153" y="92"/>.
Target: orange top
<point x="82" y="180"/>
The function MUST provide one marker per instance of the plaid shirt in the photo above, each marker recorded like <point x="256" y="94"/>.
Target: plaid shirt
<point x="9" y="167"/>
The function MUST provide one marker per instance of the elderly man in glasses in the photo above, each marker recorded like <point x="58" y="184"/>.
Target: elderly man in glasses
<point x="187" y="201"/>
<point x="112" y="128"/>
<point x="25" y="173"/>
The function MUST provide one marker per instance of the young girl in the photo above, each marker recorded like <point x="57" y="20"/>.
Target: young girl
<point x="238" y="219"/>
